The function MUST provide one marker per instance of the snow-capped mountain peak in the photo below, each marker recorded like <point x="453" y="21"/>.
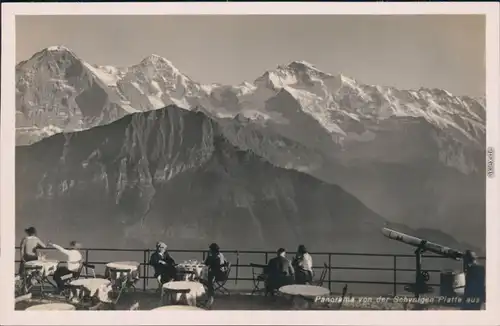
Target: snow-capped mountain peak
<point x="298" y="73"/>
<point x="302" y="66"/>
<point x="155" y="59"/>
<point x="52" y="54"/>
<point x="336" y="102"/>
<point x="158" y="65"/>
<point x="58" y="48"/>
<point x="55" y="50"/>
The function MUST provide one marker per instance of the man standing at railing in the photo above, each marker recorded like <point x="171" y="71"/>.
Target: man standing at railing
<point x="475" y="287"/>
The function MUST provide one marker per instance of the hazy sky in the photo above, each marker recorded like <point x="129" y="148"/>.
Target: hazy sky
<point x="404" y="51"/>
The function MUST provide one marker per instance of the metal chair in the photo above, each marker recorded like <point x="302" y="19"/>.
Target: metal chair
<point x="258" y="278"/>
<point x="75" y="276"/>
<point x="33" y="275"/>
<point x="220" y="283"/>
<point x="19" y="285"/>
<point x="68" y="278"/>
<point x="322" y="276"/>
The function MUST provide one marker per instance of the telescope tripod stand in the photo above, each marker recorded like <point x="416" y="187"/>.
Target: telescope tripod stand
<point x="421" y="277"/>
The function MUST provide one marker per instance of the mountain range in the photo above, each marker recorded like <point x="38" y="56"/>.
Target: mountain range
<point x="315" y="152"/>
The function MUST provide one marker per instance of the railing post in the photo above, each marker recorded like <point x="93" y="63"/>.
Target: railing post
<point x="330" y="272"/>
<point x="266" y="257"/>
<point x="148" y="254"/>
<point x="144" y="253"/>
<point x="237" y="266"/>
<point x="86" y="262"/>
<point x="394" y="275"/>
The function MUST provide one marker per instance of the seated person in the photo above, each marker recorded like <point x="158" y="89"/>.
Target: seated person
<point x="217" y="268"/>
<point x="302" y="263"/>
<point x="163" y="264"/>
<point x="29" y="248"/>
<point x="279" y="272"/>
<point x="72" y="264"/>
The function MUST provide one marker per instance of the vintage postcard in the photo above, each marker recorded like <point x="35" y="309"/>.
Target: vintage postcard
<point x="250" y="163"/>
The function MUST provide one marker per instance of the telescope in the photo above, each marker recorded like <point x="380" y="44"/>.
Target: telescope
<point x="422" y="246"/>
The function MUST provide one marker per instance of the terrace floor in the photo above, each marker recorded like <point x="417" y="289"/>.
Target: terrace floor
<point x="242" y="300"/>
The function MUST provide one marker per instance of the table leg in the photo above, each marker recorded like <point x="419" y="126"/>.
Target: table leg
<point x="25" y="283"/>
<point x="191" y="300"/>
<point x="299" y="303"/>
<point x="76" y="294"/>
<point x="180" y="298"/>
<point x="295" y="303"/>
<point x="46" y="279"/>
<point x="169" y="297"/>
<point x="119" y="290"/>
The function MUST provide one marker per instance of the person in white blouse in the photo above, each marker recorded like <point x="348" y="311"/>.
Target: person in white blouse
<point x="303" y="265"/>
<point x="70" y="266"/>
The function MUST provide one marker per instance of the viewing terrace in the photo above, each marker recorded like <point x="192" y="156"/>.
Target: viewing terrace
<point x="368" y="277"/>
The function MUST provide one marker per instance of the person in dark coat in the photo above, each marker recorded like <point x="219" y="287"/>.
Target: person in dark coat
<point x="279" y="272"/>
<point x="475" y="286"/>
<point x="217" y="267"/>
<point x="163" y="264"/>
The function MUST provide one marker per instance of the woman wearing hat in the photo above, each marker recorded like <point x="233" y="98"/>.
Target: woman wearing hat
<point x="163" y="264"/>
<point x="29" y="247"/>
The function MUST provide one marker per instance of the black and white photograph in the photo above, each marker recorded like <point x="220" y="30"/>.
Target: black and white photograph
<point x="271" y="162"/>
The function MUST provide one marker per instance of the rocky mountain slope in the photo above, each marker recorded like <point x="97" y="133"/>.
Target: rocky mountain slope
<point x="413" y="156"/>
<point x="171" y="174"/>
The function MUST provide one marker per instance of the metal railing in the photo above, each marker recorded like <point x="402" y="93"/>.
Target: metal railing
<point x="239" y="267"/>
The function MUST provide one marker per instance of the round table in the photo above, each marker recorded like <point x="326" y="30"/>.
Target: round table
<point x="183" y="291"/>
<point x="177" y="307"/>
<point x="304" y="292"/>
<point x="197" y="269"/>
<point x="98" y="287"/>
<point x="48" y="267"/>
<point x="118" y="269"/>
<point x="52" y="306"/>
<point x="130" y="265"/>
